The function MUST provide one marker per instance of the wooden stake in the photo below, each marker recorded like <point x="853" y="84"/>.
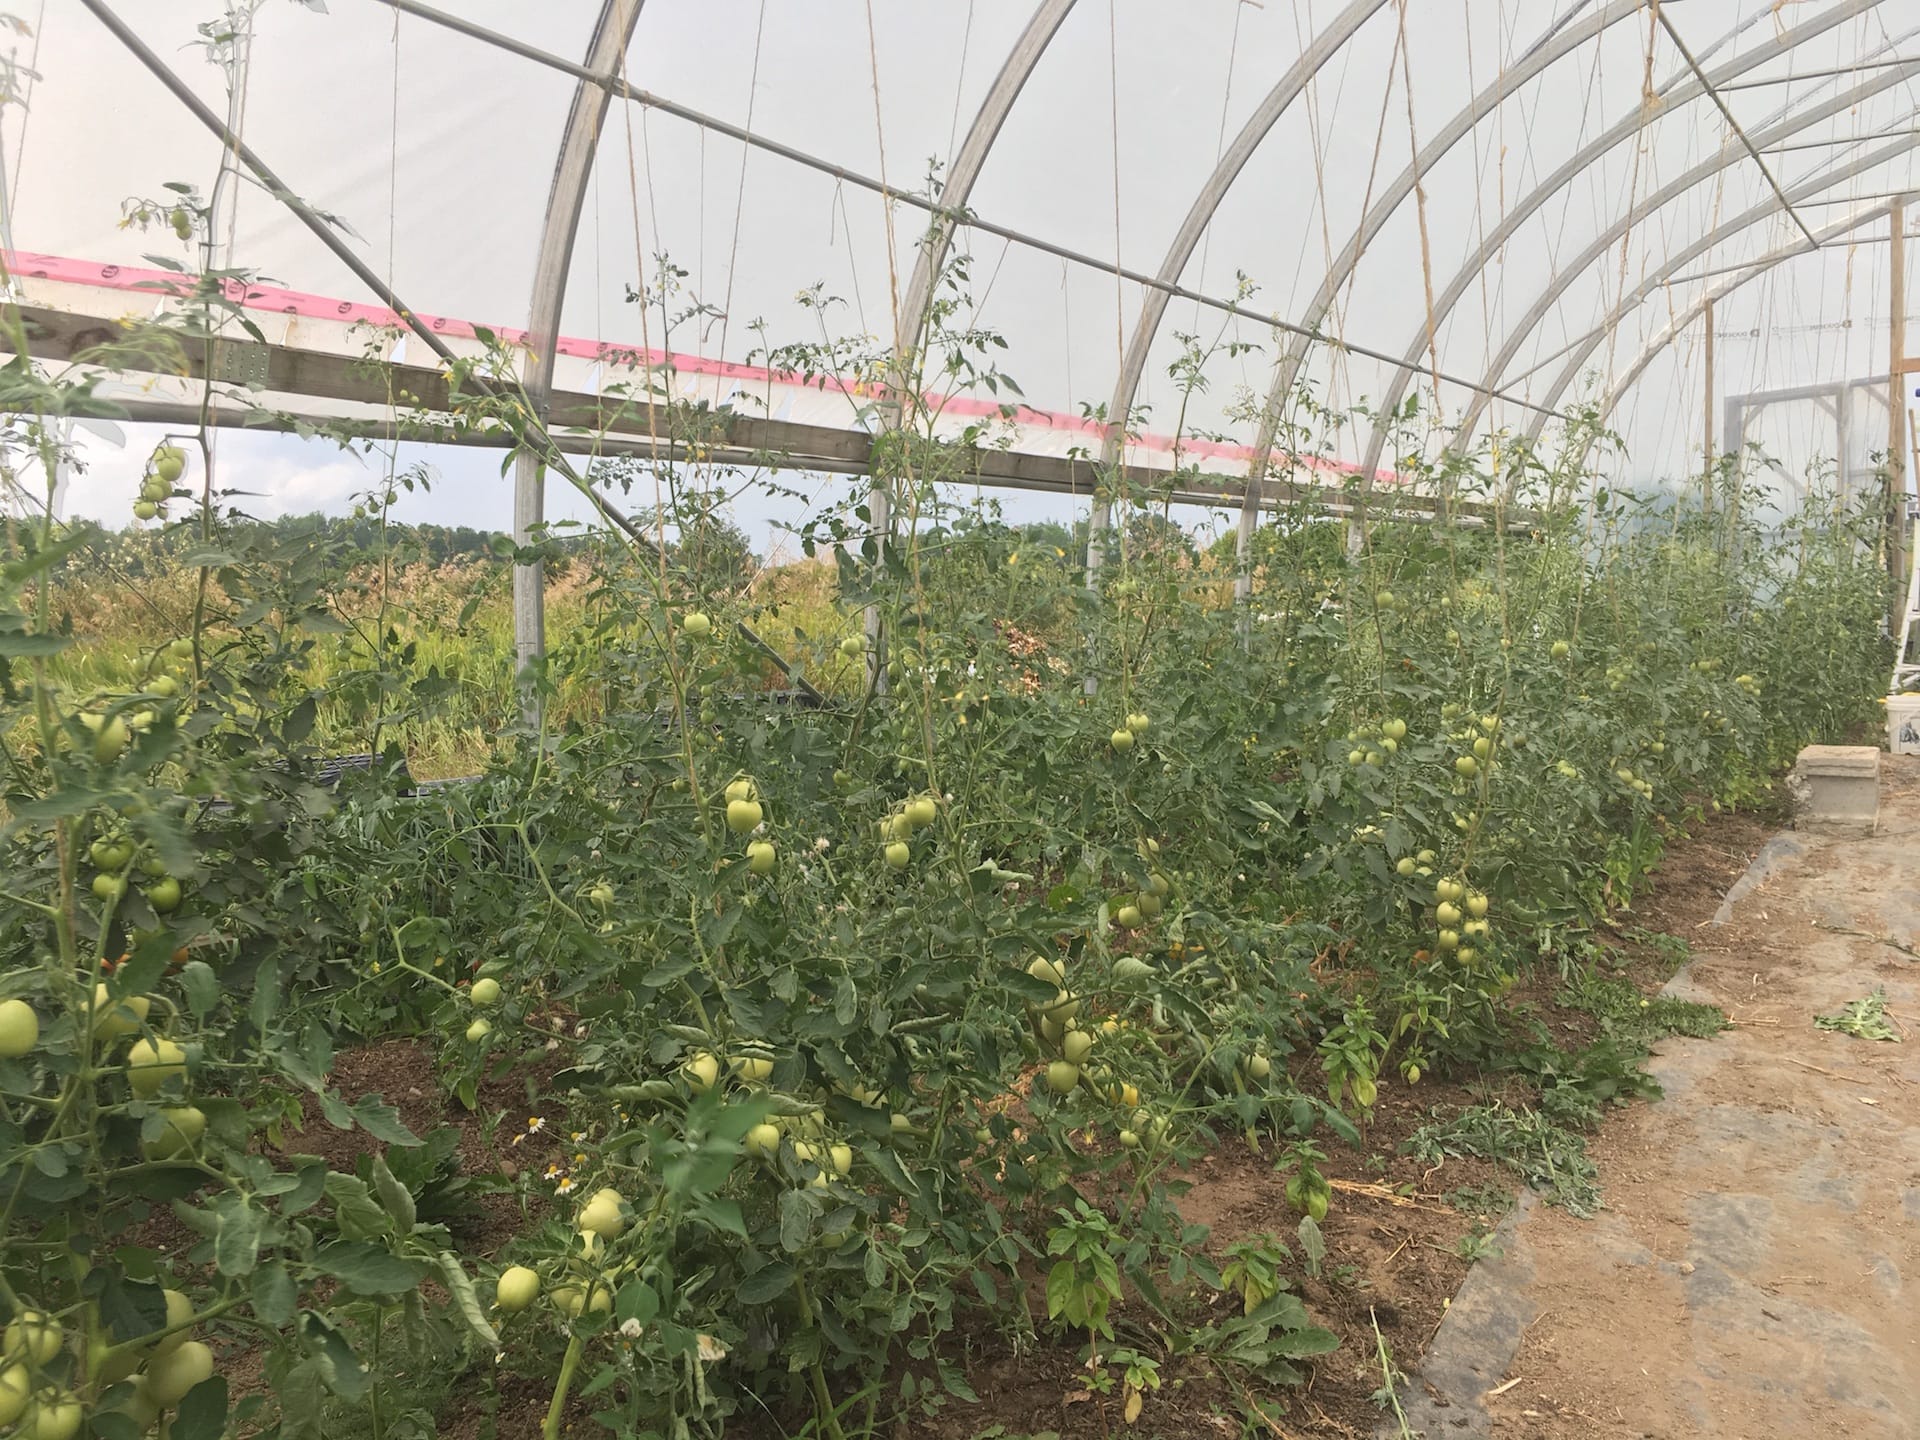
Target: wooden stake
<point x="1707" y="476"/>
<point x="1897" y="398"/>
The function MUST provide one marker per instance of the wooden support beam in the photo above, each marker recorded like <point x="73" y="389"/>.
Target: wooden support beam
<point x="582" y="423"/>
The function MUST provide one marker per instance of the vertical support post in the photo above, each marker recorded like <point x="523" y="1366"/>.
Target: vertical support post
<point x="1896" y="390"/>
<point x="529" y="580"/>
<point x="880" y="526"/>
<point x="1843" y="437"/>
<point x="573" y="166"/>
<point x="1113" y="459"/>
<point x="1249" y="521"/>
<point x="1706" y="480"/>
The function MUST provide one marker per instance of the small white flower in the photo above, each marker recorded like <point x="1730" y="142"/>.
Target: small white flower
<point x="631" y="1328"/>
<point x="822" y="844"/>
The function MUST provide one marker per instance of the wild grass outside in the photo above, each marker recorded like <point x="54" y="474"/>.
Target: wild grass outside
<point x="450" y="624"/>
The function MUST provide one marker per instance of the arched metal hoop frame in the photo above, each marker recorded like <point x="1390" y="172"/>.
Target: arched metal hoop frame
<point x="1579" y="23"/>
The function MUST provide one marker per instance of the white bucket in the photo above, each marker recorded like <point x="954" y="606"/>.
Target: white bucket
<point x="1903" y="724"/>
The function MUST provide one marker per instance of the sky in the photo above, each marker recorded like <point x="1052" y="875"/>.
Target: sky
<point x="437" y="151"/>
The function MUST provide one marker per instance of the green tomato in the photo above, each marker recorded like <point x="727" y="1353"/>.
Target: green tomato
<point x="110" y="743"/>
<point x="53" y="1417"/>
<point x="152" y="1064"/>
<point x="898" y="855"/>
<point x="16" y="1388"/>
<point x="171" y="1376"/>
<point x="181" y="1129"/>
<point x="517" y="1288"/>
<point x="478" y="1031"/>
<point x="696" y="624"/>
<point x="1050" y="971"/>
<point x="1128" y="917"/>
<point x="744" y="815"/>
<point x="164" y="895"/>
<point x="1467" y="766"/>
<point x="179" y="1312"/>
<point x="1405" y="866"/>
<point x="19" y="1029"/>
<point x="486" y="991"/>
<point x="754" y="1069"/>
<point x="1062" y="1076"/>
<point x="1076" y="1045"/>
<point x="1121" y="740"/>
<point x="111" y="1020"/>
<point x="604" y="1214"/>
<point x="33" y="1338"/>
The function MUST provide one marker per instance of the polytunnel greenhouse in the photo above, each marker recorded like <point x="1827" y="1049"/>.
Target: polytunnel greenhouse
<point x="1007" y="718"/>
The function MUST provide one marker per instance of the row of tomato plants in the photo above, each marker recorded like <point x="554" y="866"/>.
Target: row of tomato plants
<point x="853" y="1009"/>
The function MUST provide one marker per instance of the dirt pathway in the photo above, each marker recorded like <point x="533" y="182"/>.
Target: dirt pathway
<point x="1749" y="1277"/>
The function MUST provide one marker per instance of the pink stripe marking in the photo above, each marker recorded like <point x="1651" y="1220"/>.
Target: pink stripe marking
<point x="66" y="270"/>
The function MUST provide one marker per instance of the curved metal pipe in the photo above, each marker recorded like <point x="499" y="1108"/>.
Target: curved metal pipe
<point x="573" y="166"/>
<point x="1015" y="71"/>
<point x="1206" y="204"/>
<point x="1728" y="157"/>
<point x="1759" y="213"/>
<point x="1679" y="93"/>
<point x="1559" y="41"/>
<point x="1719" y="291"/>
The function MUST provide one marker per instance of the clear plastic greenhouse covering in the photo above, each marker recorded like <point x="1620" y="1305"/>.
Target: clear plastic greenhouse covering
<point x="1501" y="209"/>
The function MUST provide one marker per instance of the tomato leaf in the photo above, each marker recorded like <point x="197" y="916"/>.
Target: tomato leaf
<point x="460" y="1287"/>
<point x="203" y="1414"/>
<point x="768" y="1282"/>
<point x="367" y="1269"/>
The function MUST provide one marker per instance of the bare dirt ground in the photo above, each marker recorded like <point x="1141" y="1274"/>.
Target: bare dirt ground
<point x="1747" y="1278"/>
